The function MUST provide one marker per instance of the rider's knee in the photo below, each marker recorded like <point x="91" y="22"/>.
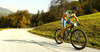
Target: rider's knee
<point x="63" y="28"/>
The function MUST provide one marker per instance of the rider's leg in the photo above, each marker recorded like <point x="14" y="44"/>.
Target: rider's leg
<point x="63" y="25"/>
<point x="63" y="29"/>
<point x="62" y="32"/>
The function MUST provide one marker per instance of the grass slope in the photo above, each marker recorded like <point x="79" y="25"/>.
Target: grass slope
<point x="5" y="28"/>
<point x="90" y="24"/>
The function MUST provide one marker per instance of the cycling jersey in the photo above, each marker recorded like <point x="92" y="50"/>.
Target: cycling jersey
<point x="69" y="15"/>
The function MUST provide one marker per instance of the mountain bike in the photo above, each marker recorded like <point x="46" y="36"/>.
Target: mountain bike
<point x="77" y="37"/>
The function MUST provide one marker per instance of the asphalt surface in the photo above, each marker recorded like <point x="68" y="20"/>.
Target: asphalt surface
<point x="19" y="40"/>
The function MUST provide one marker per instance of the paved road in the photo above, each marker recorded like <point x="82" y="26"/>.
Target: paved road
<point x="19" y="40"/>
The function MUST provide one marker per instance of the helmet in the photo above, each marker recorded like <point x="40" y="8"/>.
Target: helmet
<point x="74" y="8"/>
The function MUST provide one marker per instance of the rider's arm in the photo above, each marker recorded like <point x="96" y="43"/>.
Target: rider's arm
<point x="64" y="17"/>
<point x="76" y="18"/>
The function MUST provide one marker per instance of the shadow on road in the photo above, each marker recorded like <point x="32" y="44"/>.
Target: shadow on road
<point x="45" y="44"/>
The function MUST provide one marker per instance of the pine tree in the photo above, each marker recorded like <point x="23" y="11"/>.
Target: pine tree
<point x="36" y="19"/>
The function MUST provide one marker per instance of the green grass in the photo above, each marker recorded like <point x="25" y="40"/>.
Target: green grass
<point x="90" y="24"/>
<point x="5" y="28"/>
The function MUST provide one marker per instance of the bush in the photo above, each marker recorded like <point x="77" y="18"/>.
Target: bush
<point x="94" y="11"/>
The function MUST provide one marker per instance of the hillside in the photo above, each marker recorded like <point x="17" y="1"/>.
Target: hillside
<point x="4" y="11"/>
<point x="90" y="24"/>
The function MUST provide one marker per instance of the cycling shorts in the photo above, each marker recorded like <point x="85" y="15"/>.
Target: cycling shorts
<point x="64" y="22"/>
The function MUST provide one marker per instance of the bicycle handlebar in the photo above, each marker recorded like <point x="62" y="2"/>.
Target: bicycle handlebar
<point x="76" y="24"/>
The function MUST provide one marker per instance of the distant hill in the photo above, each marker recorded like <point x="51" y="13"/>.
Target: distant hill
<point x="4" y="11"/>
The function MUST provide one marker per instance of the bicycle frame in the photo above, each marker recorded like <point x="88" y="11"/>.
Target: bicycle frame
<point x="70" y="30"/>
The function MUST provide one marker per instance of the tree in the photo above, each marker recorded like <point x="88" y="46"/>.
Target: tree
<point x="83" y="1"/>
<point x="80" y="10"/>
<point x="22" y="22"/>
<point x="96" y="4"/>
<point x="88" y="8"/>
<point x="32" y="19"/>
<point x="36" y="19"/>
<point x="18" y="19"/>
<point x="2" y="22"/>
<point x="42" y="15"/>
<point x="58" y="7"/>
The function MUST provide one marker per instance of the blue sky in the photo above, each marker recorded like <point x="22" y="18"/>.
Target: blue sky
<point x="31" y="5"/>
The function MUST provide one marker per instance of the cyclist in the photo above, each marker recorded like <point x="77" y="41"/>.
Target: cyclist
<point x="66" y="19"/>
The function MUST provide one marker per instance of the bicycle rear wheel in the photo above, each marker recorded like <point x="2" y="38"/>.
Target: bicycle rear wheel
<point x="78" y="39"/>
<point x="57" y="36"/>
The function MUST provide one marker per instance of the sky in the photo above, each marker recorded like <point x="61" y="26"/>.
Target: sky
<point x="31" y="5"/>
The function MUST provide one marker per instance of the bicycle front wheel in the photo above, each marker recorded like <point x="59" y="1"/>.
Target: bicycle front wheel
<point x="78" y="39"/>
